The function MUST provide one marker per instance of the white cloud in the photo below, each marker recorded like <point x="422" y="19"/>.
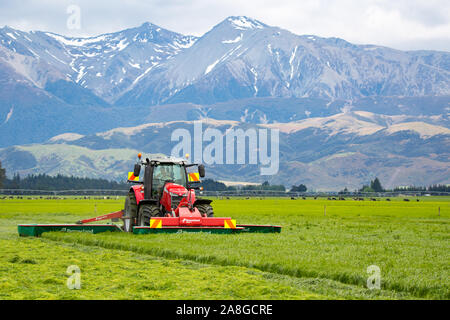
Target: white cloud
<point x="402" y="24"/>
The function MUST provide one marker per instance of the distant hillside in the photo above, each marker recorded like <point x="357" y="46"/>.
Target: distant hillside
<point x="324" y="153"/>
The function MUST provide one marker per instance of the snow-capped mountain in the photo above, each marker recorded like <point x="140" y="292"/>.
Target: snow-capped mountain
<point x="107" y="64"/>
<point x="52" y="84"/>
<point x="238" y="58"/>
<point x="242" y="58"/>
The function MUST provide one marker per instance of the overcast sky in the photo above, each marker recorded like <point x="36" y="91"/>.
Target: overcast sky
<point x="401" y="24"/>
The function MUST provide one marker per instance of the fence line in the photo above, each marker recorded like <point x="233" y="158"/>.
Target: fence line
<point x="84" y="192"/>
<point x="269" y="193"/>
<point x="234" y="193"/>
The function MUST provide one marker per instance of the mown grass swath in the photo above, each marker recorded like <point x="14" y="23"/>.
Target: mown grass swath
<point x="38" y="271"/>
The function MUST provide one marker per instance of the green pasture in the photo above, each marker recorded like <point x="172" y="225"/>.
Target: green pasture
<point x="323" y="252"/>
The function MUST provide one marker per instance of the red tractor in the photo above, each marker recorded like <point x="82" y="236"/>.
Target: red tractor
<point x="163" y="201"/>
<point x="166" y="189"/>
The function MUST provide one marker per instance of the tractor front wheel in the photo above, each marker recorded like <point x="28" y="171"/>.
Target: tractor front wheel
<point x="130" y="212"/>
<point x="146" y="212"/>
<point x="205" y="209"/>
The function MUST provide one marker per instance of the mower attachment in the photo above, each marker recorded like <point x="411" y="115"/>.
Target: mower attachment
<point x="203" y="224"/>
<point x="35" y="230"/>
<point x="112" y="216"/>
<point x="157" y="225"/>
<point x="147" y="230"/>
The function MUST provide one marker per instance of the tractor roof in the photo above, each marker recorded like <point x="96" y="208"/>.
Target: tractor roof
<point x="165" y="159"/>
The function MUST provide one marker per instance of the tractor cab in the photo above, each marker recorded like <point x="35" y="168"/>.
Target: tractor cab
<point x="165" y="189"/>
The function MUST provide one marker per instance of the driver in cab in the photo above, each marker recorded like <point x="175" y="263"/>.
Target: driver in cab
<point x="162" y="174"/>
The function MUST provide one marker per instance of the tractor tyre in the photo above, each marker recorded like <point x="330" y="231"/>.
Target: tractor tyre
<point x="205" y="209"/>
<point x="129" y="212"/>
<point x="146" y="212"/>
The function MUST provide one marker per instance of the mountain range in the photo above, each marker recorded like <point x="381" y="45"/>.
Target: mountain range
<point x="381" y="109"/>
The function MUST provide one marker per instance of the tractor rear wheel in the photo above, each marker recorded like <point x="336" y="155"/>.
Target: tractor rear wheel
<point x="146" y="212"/>
<point x="205" y="209"/>
<point x="129" y="212"/>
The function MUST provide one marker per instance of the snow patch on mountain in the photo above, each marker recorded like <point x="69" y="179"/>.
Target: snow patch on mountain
<point x="255" y="75"/>
<point x="244" y="23"/>
<point x="237" y="39"/>
<point x="134" y="65"/>
<point x="76" y="42"/>
<point x="81" y="74"/>
<point x="11" y="35"/>
<point x="187" y="43"/>
<point x="291" y="59"/>
<point x="154" y="64"/>
<point x="122" y="45"/>
<point x="211" y="66"/>
<point x="8" y="116"/>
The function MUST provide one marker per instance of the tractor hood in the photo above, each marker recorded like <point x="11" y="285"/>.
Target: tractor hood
<point x="175" y="189"/>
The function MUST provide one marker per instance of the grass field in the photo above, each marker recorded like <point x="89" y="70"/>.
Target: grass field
<point x="316" y="256"/>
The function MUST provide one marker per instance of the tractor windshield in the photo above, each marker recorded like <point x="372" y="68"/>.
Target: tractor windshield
<point x="168" y="172"/>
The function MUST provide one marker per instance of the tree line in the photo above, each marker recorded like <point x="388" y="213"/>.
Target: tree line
<point x="59" y="182"/>
<point x="375" y="186"/>
<point x="213" y="185"/>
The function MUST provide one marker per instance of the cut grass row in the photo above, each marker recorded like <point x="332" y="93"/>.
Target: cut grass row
<point x="36" y="269"/>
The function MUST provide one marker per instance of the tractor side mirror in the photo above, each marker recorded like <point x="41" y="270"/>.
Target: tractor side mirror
<point x="201" y="170"/>
<point x="137" y="169"/>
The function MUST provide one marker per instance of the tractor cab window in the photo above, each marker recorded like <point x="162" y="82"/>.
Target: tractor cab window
<point x="168" y="172"/>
